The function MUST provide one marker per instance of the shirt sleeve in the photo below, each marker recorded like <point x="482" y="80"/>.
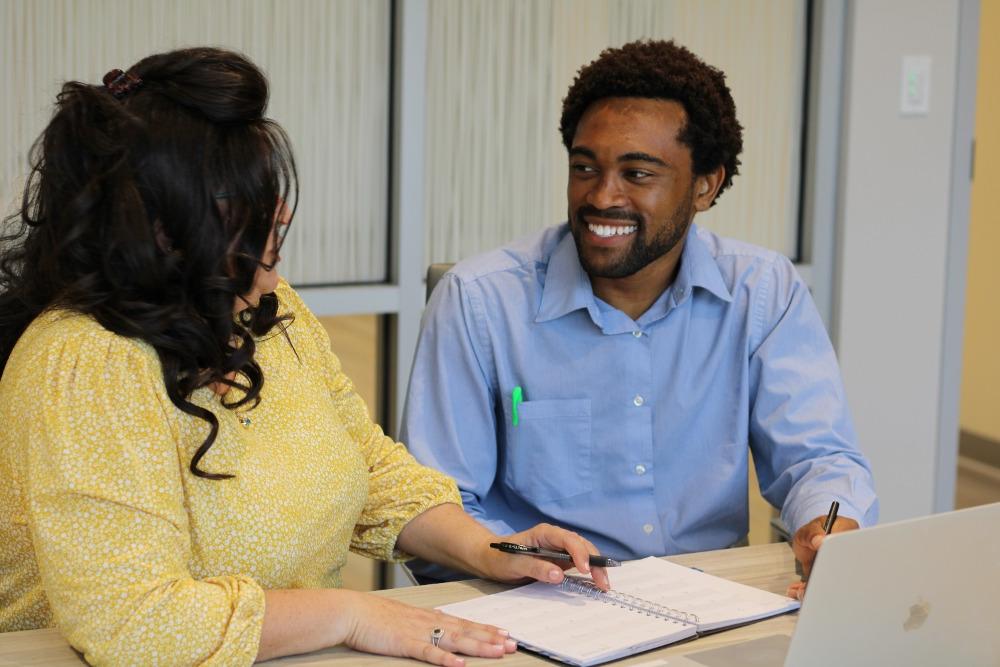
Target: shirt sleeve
<point x="801" y="431"/>
<point x="448" y="419"/>
<point x="399" y="488"/>
<point x="107" y="518"/>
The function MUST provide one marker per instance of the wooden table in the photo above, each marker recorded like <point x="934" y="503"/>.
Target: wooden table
<point x="768" y="566"/>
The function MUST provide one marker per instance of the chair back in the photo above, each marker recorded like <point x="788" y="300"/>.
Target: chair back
<point x="434" y="273"/>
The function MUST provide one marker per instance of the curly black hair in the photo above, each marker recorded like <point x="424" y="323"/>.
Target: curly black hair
<point x="121" y="219"/>
<point x="665" y="70"/>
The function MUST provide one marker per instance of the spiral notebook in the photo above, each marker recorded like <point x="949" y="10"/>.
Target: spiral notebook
<point x="652" y="603"/>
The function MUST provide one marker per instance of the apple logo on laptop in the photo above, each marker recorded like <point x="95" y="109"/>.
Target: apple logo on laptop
<point x="918" y="614"/>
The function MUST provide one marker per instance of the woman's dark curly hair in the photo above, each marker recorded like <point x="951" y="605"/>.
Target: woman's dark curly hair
<point x="668" y="71"/>
<point x="149" y="209"/>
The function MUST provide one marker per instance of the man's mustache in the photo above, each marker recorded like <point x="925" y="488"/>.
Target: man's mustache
<point x="608" y="214"/>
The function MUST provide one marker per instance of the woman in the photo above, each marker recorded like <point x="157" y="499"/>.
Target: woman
<point x="184" y="465"/>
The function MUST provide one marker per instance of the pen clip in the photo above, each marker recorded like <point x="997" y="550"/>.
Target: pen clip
<point x="831" y="517"/>
<point x="516" y="397"/>
<point x="510" y="547"/>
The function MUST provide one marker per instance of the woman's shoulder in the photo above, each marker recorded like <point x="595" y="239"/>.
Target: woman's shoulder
<point x="65" y="337"/>
<point x="291" y="303"/>
<point x="290" y="300"/>
<point x="305" y="330"/>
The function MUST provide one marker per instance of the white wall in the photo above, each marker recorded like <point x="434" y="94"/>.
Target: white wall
<point x="900" y="244"/>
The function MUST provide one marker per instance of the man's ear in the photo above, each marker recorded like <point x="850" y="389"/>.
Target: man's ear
<point x="706" y="187"/>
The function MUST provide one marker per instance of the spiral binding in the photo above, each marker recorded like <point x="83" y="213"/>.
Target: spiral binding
<point x="624" y="600"/>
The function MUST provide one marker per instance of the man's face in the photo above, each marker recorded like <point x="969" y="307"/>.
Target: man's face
<point x="631" y="191"/>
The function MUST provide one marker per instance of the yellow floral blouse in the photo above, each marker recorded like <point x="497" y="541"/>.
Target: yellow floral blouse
<point x="105" y="532"/>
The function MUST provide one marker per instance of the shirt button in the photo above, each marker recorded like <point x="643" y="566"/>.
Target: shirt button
<point x="638" y="400"/>
<point x="640" y="469"/>
<point x="637" y="333"/>
<point x="648" y="528"/>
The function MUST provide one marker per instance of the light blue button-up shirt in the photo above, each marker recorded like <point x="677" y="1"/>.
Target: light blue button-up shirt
<point x="634" y="433"/>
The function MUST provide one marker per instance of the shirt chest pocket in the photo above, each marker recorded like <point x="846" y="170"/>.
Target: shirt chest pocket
<point x="549" y="451"/>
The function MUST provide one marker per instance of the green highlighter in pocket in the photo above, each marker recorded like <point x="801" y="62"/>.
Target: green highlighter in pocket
<point x="516" y="397"/>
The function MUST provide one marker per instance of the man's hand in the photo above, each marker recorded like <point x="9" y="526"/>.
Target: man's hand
<point x="806" y="544"/>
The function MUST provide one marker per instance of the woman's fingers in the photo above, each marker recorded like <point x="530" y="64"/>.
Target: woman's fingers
<point x="461" y="642"/>
<point x="460" y="637"/>
<point x="392" y="628"/>
<point x="579" y="548"/>
<point x="599" y="574"/>
<point x="539" y="569"/>
<point x="486" y="633"/>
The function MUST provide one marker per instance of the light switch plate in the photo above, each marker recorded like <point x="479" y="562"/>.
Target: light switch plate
<point x="915" y="86"/>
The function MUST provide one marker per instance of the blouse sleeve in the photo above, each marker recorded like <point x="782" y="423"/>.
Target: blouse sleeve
<point x="103" y="484"/>
<point x="399" y="487"/>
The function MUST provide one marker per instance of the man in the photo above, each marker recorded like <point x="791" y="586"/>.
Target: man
<point x="612" y="374"/>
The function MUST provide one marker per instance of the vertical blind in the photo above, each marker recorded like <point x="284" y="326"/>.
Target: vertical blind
<point x="497" y="71"/>
<point x="328" y="65"/>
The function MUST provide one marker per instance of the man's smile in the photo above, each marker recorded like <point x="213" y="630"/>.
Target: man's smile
<point x="609" y="231"/>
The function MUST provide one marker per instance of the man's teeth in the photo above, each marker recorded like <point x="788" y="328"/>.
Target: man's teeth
<point x="606" y="231"/>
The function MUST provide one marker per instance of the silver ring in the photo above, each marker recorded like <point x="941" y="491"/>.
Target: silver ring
<point x="436" y="635"/>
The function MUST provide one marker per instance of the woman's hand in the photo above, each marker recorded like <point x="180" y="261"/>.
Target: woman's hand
<point x="379" y="625"/>
<point x="445" y="534"/>
<point x="516" y="567"/>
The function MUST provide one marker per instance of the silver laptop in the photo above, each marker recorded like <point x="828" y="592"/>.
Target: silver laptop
<point x="924" y="591"/>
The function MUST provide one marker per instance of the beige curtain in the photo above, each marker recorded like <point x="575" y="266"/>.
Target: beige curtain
<point x="497" y="71"/>
<point x="328" y="64"/>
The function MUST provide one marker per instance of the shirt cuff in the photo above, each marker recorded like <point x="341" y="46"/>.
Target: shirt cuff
<point x="804" y="512"/>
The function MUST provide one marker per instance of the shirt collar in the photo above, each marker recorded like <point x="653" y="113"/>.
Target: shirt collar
<point x="698" y="269"/>
<point x="567" y="286"/>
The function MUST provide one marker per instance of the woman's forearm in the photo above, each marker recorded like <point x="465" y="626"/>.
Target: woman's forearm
<point x="299" y="621"/>
<point x="446" y="535"/>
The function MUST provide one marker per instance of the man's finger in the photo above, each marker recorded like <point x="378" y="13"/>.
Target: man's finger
<point x="796" y="590"/>
<point x="805" y="535"/>
<point x="816" y="541"/>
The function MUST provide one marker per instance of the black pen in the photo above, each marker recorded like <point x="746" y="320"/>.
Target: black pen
<point x="831" y="517"/>
<point x="511" y="548"/>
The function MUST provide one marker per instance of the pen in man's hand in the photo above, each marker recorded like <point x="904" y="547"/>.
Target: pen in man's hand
<point x="831" y="517"/>
<point x="511" y="548"/>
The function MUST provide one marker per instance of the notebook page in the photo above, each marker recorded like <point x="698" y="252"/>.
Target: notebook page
<point x="569" y="626"/>
<point x="717" y="602"/>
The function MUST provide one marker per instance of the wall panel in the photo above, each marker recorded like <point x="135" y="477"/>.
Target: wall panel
<point x="328" y="64"/>
<point x="497" y="71"/>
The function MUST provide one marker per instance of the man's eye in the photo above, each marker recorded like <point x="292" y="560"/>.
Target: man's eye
<point x="637" y="174"/>
<point x="582" y="168"/>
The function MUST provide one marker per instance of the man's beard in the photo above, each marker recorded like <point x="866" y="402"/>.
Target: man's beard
<point x="642" y="251"/>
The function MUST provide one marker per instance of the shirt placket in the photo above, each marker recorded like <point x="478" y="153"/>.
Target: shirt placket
<point x="637" y="396"/>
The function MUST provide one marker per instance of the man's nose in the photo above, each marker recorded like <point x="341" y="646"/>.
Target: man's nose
<point x="606" y="193"/>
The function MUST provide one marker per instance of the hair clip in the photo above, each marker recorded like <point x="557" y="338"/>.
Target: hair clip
<point x="120" y="83"/>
